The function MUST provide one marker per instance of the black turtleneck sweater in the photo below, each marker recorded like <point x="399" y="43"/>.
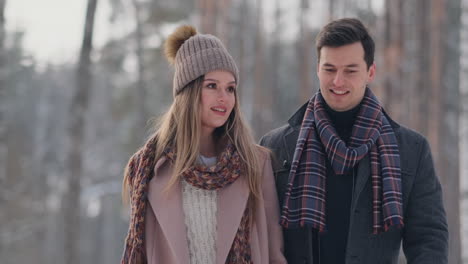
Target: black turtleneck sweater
<point x="339" y="190"/>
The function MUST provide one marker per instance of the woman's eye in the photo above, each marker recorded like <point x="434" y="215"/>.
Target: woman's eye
<point x="211" y="85"/>
<point x="231" y="89"/>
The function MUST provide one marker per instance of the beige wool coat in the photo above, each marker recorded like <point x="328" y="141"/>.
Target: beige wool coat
<point x="165" y="231"/>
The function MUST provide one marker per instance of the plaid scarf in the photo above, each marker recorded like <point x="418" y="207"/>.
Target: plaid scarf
<point x="305" y="198"/>
<point x="140" y="171"/>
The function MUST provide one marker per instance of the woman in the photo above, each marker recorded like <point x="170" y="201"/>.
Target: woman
<point x="201" y="190"/>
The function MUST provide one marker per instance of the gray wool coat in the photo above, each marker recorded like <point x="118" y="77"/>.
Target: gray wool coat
<point x="424" y="237"/>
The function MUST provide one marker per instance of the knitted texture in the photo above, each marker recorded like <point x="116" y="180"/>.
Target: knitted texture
<point x="226" y="171"/>
<point x="198" y="55"/>
<point x="371" y="134"/>
<point x="200" y="207"/>
<point x="140" y="170"/>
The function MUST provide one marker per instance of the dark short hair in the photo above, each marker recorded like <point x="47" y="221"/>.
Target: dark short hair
<point x="343" y="32"/>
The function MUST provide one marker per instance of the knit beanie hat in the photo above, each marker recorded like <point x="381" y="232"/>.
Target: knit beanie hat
<point x="194" y="55"/>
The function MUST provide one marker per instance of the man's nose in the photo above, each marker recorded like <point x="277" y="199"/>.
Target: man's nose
<point x="338" y="80"/>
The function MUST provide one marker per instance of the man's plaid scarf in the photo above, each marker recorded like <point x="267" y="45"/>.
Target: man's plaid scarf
<point x="305" y="198"/>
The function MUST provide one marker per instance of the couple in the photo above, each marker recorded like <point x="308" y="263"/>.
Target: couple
<point x="346" y="184"/>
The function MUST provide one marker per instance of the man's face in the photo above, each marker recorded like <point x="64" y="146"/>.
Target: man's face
<point x="343" y="75"/>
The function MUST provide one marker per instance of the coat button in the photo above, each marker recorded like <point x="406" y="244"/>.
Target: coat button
<point x="286" y="164"/>
<point x="355" y="259"/>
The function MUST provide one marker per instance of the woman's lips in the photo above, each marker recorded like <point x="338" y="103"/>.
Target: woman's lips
<point x="219" y="110"/>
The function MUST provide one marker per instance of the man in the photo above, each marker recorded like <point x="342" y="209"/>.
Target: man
<point x="353" y="184"/>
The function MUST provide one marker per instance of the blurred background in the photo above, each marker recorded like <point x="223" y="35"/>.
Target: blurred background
<point x="81" y="79"/>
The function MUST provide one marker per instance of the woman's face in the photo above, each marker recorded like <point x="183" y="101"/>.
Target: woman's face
<point x="217" y="99"/>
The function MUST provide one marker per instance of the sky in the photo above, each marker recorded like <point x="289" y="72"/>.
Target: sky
<point x="54" y="28"/>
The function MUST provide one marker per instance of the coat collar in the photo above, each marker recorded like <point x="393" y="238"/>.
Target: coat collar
<point x="232" y="201"/>
<point x="168" y="209"/>
<point x="291" y="135"/>
<point x="295" y="121"/>
<point x="363" y="174"/>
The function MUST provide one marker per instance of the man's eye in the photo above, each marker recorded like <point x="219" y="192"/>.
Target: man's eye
<point x="329" y="70"/>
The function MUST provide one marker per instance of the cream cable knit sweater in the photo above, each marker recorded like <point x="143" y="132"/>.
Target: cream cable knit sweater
<point x="200" y="208"/>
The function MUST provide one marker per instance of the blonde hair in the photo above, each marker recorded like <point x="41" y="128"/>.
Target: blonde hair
<point x="180" y="128"/>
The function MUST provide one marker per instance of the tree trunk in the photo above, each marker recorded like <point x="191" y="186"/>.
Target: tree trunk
<point x="3" y="102"/>
<point x="263" y="98"/>
<point x="304" y="54"/>
<point x="275" y="57"/>
<point x="444" y="108"/>
<point x="422" y="65"/>
<point x="3" y="125"/>
<point x="223" y="29"/>
<point x="448" y="160"/>
<point x="242" y="58"/>
<point x="421" y="83"/>
<point x="141" y="87"/>
<point x="393" y="51"/>
<point x="79" y="104"/>
<point x="331" y="9"/>
<point x="207" y="16"/>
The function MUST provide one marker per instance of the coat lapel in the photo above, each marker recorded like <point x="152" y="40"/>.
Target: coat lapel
<point x="167" y="207"/>
<point x="232" y="201"/>
<point x="290" y="137"/>
<point x="363" y="174"/>
<point x="289" y="142"/>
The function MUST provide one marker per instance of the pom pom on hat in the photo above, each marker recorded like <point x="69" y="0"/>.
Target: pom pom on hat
<point x="175" y="41"/>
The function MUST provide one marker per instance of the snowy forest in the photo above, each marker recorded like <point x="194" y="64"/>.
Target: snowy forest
<point x="67" y="129"/>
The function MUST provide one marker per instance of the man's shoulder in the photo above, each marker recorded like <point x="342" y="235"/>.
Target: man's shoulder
<point x="405" y="135"/>
<point x="412" y="147"/>
<point x="409" y="137"/>
<point x="272" y="138"/>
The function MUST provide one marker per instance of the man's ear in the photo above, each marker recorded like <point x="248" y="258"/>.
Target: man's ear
<point x="371" y="73"/>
